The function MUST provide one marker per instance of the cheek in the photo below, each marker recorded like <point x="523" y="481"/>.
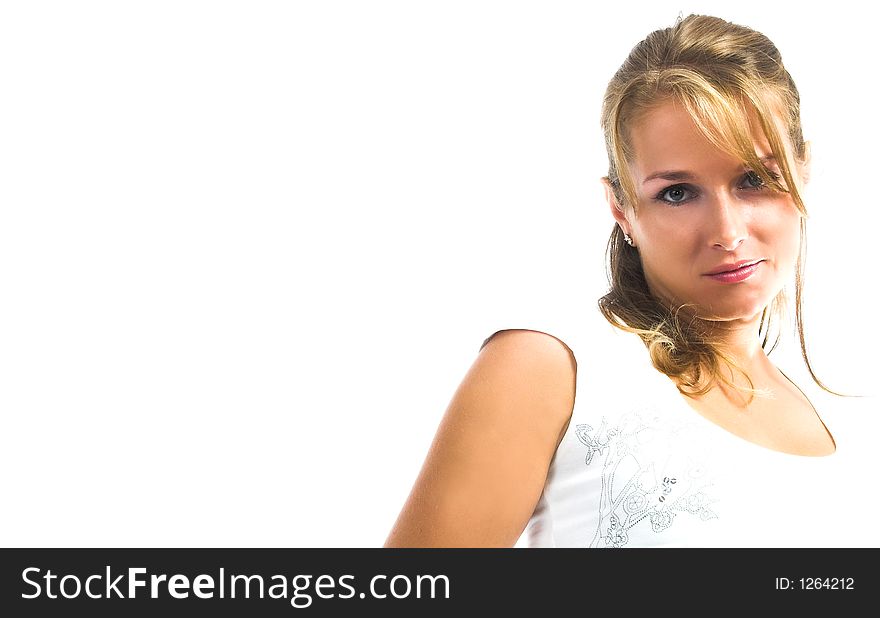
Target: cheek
<point x="662" y="235"/>
<point x="787" y="238"/>
<point x="668" y="244"/>
<point x="667" y="257"/>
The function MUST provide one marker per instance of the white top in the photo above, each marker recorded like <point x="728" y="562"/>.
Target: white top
<point x="638" y="467"/>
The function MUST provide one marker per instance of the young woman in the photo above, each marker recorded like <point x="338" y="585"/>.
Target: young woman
<point x="670" y="425"/>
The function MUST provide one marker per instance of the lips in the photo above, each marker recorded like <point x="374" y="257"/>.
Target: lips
<point x="725" y="268"/>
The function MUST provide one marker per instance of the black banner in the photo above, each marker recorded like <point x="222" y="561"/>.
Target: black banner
<point x="342" y="582"/>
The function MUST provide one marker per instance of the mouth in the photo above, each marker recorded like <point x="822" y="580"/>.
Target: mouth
<point x="729" y="268"/>
<point x="737" y="274"/>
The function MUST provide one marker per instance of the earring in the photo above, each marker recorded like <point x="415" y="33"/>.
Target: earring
<point x="628" y="240"/>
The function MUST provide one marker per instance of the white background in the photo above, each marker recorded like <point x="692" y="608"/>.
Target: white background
<point x="248" y="250"/>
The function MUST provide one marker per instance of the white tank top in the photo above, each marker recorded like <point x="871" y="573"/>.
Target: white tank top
<point x="638" y="467"/>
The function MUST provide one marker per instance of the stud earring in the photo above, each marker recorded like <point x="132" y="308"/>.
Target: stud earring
<point x="628" y="240"/>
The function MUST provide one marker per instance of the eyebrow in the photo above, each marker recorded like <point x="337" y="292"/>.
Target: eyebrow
<point x="683" y="175"/>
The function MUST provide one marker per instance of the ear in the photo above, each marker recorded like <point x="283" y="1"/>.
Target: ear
<point x="805" y="170"/>
<point x="616" y="209"/>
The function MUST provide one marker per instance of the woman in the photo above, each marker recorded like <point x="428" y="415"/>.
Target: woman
<point x="603" y="440"/>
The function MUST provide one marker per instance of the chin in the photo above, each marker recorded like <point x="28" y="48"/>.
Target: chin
<point x="722" y="306"/>
<point x="733" y="311"/>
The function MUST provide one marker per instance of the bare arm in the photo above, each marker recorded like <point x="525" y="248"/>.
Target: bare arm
<point x="486" y="468"/>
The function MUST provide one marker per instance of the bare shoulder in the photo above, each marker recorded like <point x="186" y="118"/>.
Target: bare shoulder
<point x="488" y="462"/>
<point x="544" y="346"/>
<point x="533" y="363"/>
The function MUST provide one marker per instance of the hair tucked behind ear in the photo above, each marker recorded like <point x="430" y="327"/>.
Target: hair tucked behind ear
<point x="727" y="77"/>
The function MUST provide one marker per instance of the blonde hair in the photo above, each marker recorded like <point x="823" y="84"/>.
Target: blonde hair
<point x="727" y="77"/>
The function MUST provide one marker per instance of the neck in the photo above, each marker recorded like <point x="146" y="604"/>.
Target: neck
<point x="739" y="340"/>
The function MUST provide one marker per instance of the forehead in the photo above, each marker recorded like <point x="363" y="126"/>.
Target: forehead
<point x="667" y="139"/>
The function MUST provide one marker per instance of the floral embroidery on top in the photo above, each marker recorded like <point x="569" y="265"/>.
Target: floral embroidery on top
<point x="597" y="444"/>
<point x="646" y="481"/>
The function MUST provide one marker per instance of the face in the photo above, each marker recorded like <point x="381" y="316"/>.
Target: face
<point x="714" y="213"/>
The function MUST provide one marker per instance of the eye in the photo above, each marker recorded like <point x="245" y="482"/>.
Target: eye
<point x="676" y="194"/>
<point x="755" y="180"/>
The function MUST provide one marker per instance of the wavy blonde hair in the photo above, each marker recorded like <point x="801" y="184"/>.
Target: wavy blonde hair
<point x="727" y="77"/>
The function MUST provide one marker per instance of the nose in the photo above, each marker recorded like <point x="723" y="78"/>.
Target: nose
<point x="728" y="227"/>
